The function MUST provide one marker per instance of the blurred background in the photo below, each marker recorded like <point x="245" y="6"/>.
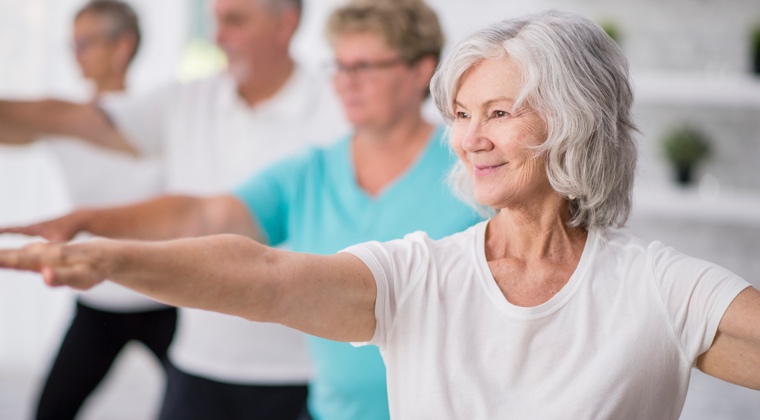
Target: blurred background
<point x="695" y="65"/>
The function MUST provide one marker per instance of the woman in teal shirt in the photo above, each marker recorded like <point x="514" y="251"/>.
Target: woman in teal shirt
<point x="313" y="203"/>
<point x="384" y="180"/>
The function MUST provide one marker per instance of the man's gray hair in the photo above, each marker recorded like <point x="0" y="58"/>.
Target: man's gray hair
<point x="278" y="5"/>
<point x="576" y="78"/>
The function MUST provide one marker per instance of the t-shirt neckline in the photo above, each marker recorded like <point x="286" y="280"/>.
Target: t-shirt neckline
<point x="403" y="178"/>
<point x="551" y="305"/>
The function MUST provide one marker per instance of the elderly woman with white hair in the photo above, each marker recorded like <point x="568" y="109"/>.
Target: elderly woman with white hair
<point x="546" y="310"/>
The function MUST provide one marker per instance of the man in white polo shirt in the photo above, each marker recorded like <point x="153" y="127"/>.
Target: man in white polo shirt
<point x="210" y="135"/>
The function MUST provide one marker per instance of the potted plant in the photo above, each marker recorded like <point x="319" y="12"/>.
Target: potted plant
<point x="612" y="30"/>
<point x="755" y="47"/>
<point x="685" y="147"/>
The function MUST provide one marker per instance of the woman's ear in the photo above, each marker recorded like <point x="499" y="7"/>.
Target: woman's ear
<point x="124" y="49"/>
<point x="425" y="68"/>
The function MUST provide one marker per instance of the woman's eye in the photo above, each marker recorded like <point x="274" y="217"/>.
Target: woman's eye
<point x="500" y="114"/>
<point x="461" y="115"/>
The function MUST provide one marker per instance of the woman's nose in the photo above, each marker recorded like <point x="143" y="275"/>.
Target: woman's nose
<point x="474" y="138"/>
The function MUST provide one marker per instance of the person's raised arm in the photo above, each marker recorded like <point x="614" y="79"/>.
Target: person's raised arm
<point x="735" y="353"/>
<point x="328" y="296"/>
<point x="51" y="116"/>
<point x="166" y="217"/>
<point x="11" y="134"/>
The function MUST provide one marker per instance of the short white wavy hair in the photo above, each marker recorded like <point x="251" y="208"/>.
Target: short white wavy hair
<point x="576" y="78"/>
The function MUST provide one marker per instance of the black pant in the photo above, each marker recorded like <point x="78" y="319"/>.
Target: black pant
<point x="90" y="347"/>
<point x="190" y="397"/>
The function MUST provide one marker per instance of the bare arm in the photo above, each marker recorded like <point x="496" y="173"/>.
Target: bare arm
<point x="166" y="217"/>
<point x="735" y="353"/>
<point x="327" y="296"/>
<point x="50" y="116"/>
<point x="11" y="134"/>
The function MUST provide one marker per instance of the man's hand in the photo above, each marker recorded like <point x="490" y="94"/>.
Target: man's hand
<point x="22" y="119"/>
<point x="73" y="265"/>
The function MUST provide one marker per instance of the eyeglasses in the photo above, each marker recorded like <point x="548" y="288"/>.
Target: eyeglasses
<point x="85" y="43"/>
<point x="365" y="69"/>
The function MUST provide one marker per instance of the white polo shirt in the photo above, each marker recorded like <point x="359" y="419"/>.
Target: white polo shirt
<point x="97" y="177"/>
<point x="208" y="141"/>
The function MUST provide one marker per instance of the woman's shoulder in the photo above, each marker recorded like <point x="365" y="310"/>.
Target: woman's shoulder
<point x="465" y="236"/>
<point x="419" y="244"/>
<point x="454" y="247"/>
<point x="659" y="259"/>
<point x="621" y="240"/>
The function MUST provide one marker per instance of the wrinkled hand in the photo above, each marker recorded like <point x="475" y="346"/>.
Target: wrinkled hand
<point x="62" y="229"/>
<point x="79" y="266"/>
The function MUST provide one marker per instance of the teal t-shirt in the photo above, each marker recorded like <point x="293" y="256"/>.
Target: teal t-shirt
<point x="313" y="203"/>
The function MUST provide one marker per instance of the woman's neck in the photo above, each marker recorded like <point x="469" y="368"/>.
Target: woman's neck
<point x="382" y="154"/>
<point x="112" y="83"/>
<point x="537" y="230"/>
<point x="532" y="253"/>
<point x="401" y="134"/>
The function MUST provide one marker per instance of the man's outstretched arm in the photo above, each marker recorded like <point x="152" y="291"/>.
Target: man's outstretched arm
<point x="161" y="218"/>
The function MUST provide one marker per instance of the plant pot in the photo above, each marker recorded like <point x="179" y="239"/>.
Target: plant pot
<point x="683" y="174"/>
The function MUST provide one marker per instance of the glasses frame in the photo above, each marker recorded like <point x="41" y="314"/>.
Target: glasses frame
<point x="85" y="43"/>
<point x="365" y="69"/>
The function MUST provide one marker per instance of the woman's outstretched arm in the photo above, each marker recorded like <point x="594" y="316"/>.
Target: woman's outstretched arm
<point x="735" y="353"/>
<point x="328" y="296"/>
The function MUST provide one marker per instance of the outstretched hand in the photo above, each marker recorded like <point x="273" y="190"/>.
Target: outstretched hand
<point x="62" y="229"/>
<point x="73" y="265"/>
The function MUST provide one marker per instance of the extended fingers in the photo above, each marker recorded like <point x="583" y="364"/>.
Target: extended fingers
<point x="57" y="230"/>
<point x="53" y="262"/>
<point x="21" y="230"/>
<point x="19" y="259"/>
<point x="79" y="276"/>
<point x="31" y="257"/>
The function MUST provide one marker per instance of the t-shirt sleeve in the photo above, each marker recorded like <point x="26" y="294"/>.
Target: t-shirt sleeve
<point x="696" y="294"/>
<point x="269" y="194"/>
<point x="141" y="119"/>
<point x="396" y="266"/>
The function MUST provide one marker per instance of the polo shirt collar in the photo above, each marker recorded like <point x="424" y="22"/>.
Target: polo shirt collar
<point x="296" y="95"/>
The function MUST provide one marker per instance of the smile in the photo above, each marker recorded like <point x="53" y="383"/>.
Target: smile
<point x="485" y="169"/>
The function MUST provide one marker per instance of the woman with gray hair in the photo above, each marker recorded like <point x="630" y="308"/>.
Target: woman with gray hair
<point x="543" y="311"/>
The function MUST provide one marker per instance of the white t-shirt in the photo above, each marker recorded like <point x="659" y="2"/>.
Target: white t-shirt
<point x="209" y="141"/>
<point x="617" y="342"/>
<point x="97" y="177"/>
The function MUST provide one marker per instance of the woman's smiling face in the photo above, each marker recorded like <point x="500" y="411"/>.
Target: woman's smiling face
<point x="493" y="139"/>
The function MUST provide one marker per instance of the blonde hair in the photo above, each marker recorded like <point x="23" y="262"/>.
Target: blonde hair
<point x="410" y="27"/>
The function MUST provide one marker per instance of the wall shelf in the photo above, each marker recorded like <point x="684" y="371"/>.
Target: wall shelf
<point x="693" y="204"/>
<point x="703" y="89"/>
